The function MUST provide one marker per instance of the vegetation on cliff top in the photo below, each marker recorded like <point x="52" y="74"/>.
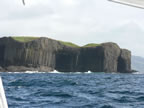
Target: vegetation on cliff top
<point x="91" y="45"/>
<point x="24" y="38"/>
<point x="69" y="44"/>
<point x="74" y="45"/>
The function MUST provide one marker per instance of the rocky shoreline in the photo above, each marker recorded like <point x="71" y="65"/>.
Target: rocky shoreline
<point x="44" y="54"/>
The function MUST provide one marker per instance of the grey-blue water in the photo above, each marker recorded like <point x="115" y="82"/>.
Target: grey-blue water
<point x="49" y="90"/>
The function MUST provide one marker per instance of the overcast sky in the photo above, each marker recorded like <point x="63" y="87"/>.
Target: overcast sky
<point x="78" y="21"/>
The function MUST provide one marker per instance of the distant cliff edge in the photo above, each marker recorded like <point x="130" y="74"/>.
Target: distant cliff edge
<point x="44" y="54"/>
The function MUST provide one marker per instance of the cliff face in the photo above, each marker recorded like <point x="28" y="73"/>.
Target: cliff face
<point x="124" y="61"/>
<point x="39" y="53"/>
<point x="45" y="54"/>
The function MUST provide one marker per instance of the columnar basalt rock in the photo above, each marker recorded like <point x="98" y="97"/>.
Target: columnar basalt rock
<point x="111" y="54"/>
<point x="44" y="54"/>
<point x="90" y="59"/>
<point x="124" y="61"/>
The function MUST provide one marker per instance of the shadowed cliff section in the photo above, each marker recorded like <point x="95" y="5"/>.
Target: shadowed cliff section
<point x="44" y="54"/>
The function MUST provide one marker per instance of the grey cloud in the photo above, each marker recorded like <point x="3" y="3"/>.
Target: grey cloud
<point x="27" y="13"/>
<point x="84" y="22"/>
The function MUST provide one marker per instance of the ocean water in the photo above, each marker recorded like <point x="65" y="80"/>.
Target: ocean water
<point x="89" y="90"/>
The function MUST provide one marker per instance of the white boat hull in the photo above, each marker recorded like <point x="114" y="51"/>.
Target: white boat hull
<point x="3" y="101"/>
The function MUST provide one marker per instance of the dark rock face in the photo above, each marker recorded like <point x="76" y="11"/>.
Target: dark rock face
<point x="90" y="59"/>
<point x="66" y="59"/>
<point x="34" y="54"/>
<point x="124" y="61"/>
<point x="111" y="54"/>
<point x="107" y="57"/>
<point x="45" y="54"/>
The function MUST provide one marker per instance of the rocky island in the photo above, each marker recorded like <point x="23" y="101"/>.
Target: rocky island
<point x="44" y="54"/>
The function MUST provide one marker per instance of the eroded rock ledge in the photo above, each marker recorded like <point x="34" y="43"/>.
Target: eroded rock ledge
<point x="44" y="54"/>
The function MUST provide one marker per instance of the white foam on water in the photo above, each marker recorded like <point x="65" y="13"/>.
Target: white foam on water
<point x="14" y="72"/>
<point x="75" y="72"/>
<point x="138" y="73"/>
<point x="88" y="72"/>
<point x="55" y="71"/>
<point x="29" y="72"/>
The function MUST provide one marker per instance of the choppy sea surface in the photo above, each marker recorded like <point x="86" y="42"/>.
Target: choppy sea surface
<point x="80" y="90"/>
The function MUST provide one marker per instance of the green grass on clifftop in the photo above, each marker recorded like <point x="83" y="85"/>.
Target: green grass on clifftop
<point x="91" y="45"/>
<point x="69" y="44"/>
<point x="24" y="38"/>
<point x="74" y="45"/>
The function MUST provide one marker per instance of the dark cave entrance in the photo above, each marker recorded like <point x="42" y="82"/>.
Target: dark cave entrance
<point x="64" y="62"/>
